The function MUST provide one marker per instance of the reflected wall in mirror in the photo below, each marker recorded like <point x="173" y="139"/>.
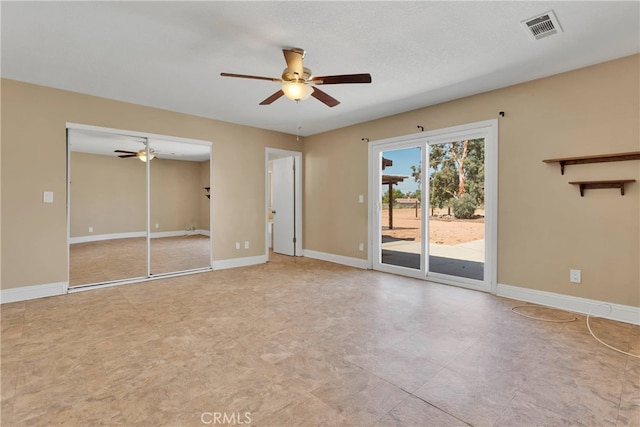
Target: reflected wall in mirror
<point x="115" y="222"/>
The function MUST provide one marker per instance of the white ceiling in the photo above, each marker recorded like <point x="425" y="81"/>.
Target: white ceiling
<point x="106" y="142"/>
<point x="170" y="54"/>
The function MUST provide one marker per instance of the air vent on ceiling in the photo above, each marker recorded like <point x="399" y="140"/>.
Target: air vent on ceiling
<point x="543" y="25"/>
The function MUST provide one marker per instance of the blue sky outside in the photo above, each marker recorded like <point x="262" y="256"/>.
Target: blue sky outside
<point x="403" y="159"/>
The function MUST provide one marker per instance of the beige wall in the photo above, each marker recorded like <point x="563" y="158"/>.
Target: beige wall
<point x="544" y="227"/>
<point x="34" y="234"/>
<point x="176" y="194"/>
<point x="204" y="209"/>
<point x="109" y="194"/>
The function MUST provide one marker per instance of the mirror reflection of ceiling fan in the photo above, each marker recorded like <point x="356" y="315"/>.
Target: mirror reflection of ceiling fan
<point x="140" y="154"/>
<point x="298" y="80"/>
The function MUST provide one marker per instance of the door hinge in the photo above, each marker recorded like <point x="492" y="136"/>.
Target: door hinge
<point x="294" y="240"/>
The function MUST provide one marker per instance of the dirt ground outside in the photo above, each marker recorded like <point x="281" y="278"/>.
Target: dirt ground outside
<point x="443" y="229"/>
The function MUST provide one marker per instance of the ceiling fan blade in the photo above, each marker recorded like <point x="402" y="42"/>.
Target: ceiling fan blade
<point x="127" y="155"/>
<point x="294" y="60"/>
<point x="125" y="151"/>
<point x="324" y="97"/>
<point x="272" y="98"/>
<point x="245" y="76"/>
<point x="344" y="78"/>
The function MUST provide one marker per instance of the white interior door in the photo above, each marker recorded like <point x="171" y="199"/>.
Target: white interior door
<point x="283" y="174"/>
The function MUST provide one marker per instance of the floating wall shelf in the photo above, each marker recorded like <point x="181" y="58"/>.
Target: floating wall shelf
<point x="616" y="183"/>
<point x="599" y="158"/>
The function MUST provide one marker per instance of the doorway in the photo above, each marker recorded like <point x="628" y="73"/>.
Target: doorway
<point x="434" y="205"/>
<point x="283" y="195"/>
<point x="138" y="206"/>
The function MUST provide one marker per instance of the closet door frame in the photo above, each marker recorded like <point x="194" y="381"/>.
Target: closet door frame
<point x="147" y="136"/>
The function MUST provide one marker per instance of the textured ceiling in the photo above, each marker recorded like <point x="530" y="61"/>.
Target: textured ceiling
<point x="170" y="54"/>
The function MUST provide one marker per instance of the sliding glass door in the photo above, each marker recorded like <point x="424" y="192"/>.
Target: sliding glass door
<point x="434" y="203"/>
<point x="456" y="225"/>
<point x="400" y="215"/>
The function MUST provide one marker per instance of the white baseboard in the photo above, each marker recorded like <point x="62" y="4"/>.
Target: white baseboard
<point x="112" y="236"/>
<point x="608" y="310"/>
<point x="239" y="262"/>
<point x="338" y="259"/>
<point x="24" y="293"/>
<point x="100" y="237"/>
<point x="176" y="233"/>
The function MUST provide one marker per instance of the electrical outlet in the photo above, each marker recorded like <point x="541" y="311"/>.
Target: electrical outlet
<point x="575" y="276"/>
<point x="361" y="247"/>
<point x="90" y="229"/>
<point x="157" y="225"/>
<point x="246" y="244"/>
<point x="237" y="245"/>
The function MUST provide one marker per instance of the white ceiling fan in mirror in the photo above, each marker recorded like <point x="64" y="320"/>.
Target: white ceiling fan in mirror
<point x="129" y="146"/>
<point x="141" y="154"/>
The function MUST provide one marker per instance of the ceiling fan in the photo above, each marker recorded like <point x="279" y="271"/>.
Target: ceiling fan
<point x="297" y="80"/>
<point x="140" y="154"/>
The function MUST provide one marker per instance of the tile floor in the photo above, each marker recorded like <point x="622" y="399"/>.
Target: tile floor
<point x="300" y="342"/>
<point x="119" y="259"/>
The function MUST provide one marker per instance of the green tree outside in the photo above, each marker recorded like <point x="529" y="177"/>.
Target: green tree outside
<point x="455" y="169"/>
<point x="397" y="194"/>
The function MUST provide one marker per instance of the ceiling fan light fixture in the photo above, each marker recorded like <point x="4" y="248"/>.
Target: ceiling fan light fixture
<point x="297" y="80"/>
<point x="297" y="91"/>
<point x="142" y="155"/>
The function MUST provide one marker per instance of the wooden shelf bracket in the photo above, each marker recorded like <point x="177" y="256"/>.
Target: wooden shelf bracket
<point x="599" y="158"/>
<point x="588" y="185"/>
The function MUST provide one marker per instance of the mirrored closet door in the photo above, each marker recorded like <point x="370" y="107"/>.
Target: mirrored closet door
<point x="179" y="207"/>
<point x="139" y="206"/>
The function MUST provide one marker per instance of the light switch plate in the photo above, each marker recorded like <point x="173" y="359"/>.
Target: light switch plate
<point x="47" y="197"/>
